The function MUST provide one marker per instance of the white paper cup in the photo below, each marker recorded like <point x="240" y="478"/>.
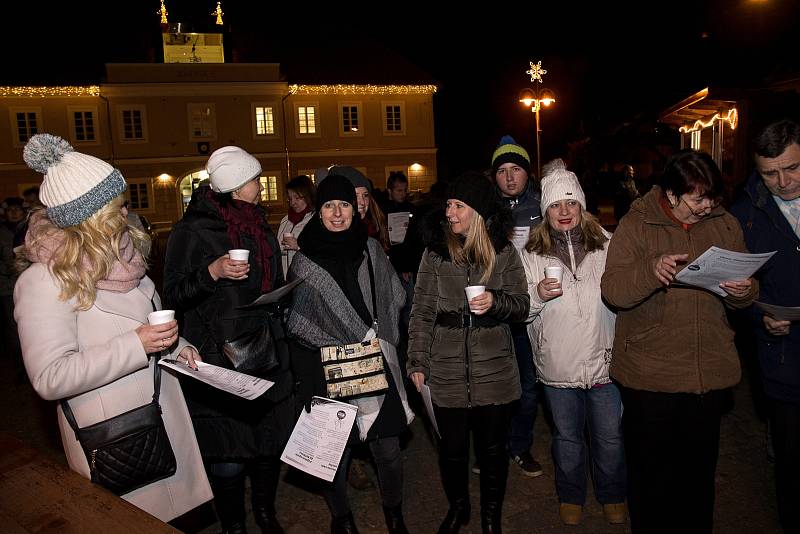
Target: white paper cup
<point x="239" y="254"/>
<point x="161" y="316"/>
<point x="474" y="291"/>
<point x="555" y="271"/>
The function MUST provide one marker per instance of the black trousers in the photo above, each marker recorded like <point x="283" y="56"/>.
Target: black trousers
<point x="785" y="428"/>
<point x="671" y="448"/>
<point x="489" y="425"/>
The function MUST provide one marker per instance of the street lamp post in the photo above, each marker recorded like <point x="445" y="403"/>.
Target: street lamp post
<point x="535" y="99"/>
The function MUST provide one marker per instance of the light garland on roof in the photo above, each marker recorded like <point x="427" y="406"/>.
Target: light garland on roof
<point x="731" y="118"/>
<point x="57" y="91"/>
<point x="353" y="89"/>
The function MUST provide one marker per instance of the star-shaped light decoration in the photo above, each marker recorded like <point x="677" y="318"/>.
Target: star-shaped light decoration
<point x="536" y="72"/>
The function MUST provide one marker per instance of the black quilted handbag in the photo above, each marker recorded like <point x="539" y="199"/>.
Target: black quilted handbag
<point x="130" y="450"/>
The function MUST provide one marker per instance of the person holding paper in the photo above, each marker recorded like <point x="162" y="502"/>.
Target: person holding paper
<point x="206" y="286"/>
<point x="350" y="294"/>
<point x="769" y="211"/>
<point x="300" y="193"/>
<point x="572" y="333"/>
<point x="463" y="349"/>
<point x="511" y="171"/>
<point x="81" y="306"/>
<point x="674" y="359"/>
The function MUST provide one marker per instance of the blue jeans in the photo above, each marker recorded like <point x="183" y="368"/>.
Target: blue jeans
<point x="574" y="411"/>
<point x="523" y="415"/>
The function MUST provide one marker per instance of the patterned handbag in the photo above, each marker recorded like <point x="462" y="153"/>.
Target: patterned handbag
<point x="130" y="450"/>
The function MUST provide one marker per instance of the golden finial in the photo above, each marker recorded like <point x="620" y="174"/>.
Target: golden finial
<point x="218" y="12"/>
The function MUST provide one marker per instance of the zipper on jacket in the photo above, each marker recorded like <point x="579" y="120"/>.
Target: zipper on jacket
<point x="466" y="349"/>
<point x="696" y="320"/>
<point x="571" y="255"/>
<point x="94" y="458"/>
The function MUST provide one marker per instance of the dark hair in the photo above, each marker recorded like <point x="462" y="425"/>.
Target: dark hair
<point x="394" y="177"/>
<point x="689" y="170"/>
<point x="304" y="187"/>
<point x="31" y="191"/>
<point x="774" y="139"/>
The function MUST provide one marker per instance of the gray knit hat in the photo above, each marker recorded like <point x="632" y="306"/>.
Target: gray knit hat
<point x="75" y="185"/>
<point x="230" y="167"/>
<point x="351" y="173"/>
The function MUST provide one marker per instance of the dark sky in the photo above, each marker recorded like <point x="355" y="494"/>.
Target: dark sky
<point x="607" y="63"/>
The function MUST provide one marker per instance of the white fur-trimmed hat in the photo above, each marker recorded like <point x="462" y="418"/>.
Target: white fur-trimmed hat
<point x="230" y="167"/>
<point x="561" y="184"/>
<point x="75" y="185"/>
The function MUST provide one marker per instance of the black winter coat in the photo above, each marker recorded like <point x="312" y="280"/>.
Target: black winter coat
<point x="227" y="426"/>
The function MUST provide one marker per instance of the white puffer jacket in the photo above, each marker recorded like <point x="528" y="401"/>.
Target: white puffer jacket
<point x="573" y="334"/>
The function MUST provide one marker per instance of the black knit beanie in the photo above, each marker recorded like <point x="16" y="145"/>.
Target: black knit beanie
<point x="476" y="191"/>
<point x="335" y="187"/>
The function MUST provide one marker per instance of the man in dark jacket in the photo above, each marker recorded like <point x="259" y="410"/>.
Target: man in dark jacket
<point x="769" y="212"/>
<point x="511" y="169"/>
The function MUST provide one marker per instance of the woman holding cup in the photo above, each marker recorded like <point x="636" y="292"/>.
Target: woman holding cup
<point x="82" y="305"/>
<point x="461" y="345"/>
<point x="221" y="256"/>
<point x="301" y="194"/>
<point x="572" y="335"/>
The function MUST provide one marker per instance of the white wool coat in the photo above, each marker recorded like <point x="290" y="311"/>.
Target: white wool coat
<point x="94" y="358"/>
<point x="572" y="335"/>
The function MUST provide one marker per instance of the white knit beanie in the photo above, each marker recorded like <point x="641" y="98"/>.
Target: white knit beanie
<point x="75" y="185"/>
<point x="230" y="167"/>
<point x="561" y="184"/>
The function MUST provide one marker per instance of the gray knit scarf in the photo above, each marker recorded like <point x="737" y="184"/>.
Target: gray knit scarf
<point x="321" y="316"/>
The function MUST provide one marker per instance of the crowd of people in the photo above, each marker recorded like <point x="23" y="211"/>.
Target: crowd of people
<point x="504" y="293"/>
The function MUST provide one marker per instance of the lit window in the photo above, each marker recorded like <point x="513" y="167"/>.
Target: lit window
<point x="26" y="125"/>
<point x="201" y="121"/>
<point x="133" y="124"/>
<point x="265" y="121"/>
<point x="394" y="121"/>
<point x="307" y="119"/>
<point x="139" y="198"/>
<point x="84" y="126"/>
<point x="269" y="188"/>
<point x="349" y="119"/>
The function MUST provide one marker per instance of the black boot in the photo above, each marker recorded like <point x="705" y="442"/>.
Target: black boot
<point x="494" y="474"/>
<point x="344" y="525"/>
<point x="455" y="479"/>
<point x="394" y="519"/>
<point x="229" y="503"/>
<point x="264" y="476"/>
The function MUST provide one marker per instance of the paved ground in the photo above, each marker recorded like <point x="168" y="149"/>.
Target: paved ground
<point x="745" y="495"/>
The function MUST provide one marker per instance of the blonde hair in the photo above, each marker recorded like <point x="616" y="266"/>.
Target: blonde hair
<point x="97" y="239"/>
<point x="476" y="250"/>
<point x="541" y="243"/>
<point x="375" y="213"/>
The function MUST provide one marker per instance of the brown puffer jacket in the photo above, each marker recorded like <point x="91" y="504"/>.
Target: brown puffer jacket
<point x="467" y="367"/>
<point x="674" y="339"/>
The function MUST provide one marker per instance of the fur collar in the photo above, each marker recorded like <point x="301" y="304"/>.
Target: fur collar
<point x="499" y="225"/>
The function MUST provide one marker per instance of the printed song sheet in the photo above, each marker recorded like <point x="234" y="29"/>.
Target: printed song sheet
<point x="717" y="265"/>
<point x="398" y="226"/>
<point x="426" y="398"/>
<point x="319" y="438"/>
<point x="242" y="385"/>
<point x="781" y="313"/>
<point x="519" y="236"/>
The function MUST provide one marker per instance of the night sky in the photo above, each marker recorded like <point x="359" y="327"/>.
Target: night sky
<point x="606" y="66"/>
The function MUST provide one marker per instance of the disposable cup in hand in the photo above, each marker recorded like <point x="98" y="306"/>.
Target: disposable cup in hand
<point x="161" y="316"/>
<point x="239" y="254"/>
<point x="555" y="271"/>
<point x="474" y="291"/>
